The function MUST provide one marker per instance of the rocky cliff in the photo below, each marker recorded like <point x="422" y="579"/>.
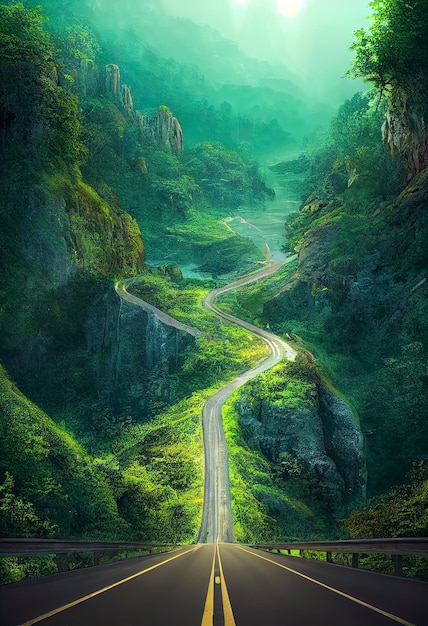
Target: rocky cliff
<point x="405" y="132"/>
<point x="164" y="130"/>
<point x="358" y="296"/>
<point x="146" y="352"/>
<point x="160" y="130"/>
<point x="315" y="437"/>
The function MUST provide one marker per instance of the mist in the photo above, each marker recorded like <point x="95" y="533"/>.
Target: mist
<point x="309" y="38"/>
<point x="314" y="43"/>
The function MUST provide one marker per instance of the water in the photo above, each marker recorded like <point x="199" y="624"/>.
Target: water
<point x="262" y="226"/>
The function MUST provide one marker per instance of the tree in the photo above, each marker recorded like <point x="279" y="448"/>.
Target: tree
<point x="393" y="53"/>
<point x="37" y="114"/>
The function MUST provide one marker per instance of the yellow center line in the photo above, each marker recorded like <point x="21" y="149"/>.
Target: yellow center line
<point x="340" y="593"/>
<point x="208" y="616"/>
<point x="229" y="619"/>
<point x="97" y="593"/>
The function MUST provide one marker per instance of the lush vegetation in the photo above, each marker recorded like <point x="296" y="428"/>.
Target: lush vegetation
<point x="93" y="450"/>
<point x="147" y="483"/>
<point x="222" y="350"/>
<point x="357" y="300"/>
<point x="357" y="297"/>
<point x="274" y="496"/>
<point x="94" y="453"/>
<point x="393" y="53"/>
<point x="402" y="512"/>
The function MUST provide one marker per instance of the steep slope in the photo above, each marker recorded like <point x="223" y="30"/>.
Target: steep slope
<point x="75" y="151"/>
<point x="358" y="297"/>
<point x="62" y="244"/>
<point x="69" y="496"/>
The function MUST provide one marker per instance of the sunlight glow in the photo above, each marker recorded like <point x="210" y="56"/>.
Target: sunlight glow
<point x="289" y="8"/>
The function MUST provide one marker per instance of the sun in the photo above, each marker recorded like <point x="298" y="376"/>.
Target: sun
<point x="289" y="8"/>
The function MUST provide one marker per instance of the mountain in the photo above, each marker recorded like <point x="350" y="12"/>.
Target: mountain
<point x="100" y="173"/>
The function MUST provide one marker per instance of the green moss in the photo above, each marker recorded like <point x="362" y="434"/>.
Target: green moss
<point x="265" y="508"/>
<point x="103" y="238"/>
<point x="50" y="472"/>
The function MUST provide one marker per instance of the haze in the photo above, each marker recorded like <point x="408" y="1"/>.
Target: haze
<point x="314" y="43"/>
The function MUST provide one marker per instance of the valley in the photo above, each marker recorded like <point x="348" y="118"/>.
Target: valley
<point x="213" y="283"/>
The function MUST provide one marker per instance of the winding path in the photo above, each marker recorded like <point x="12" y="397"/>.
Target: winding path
<point x="121" y="291"/>
<point x="217" y="521"/>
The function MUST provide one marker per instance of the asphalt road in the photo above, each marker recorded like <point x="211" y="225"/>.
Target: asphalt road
<point x="122" y="292"/>
<point x="205" y="585"/>
<point x="217" y="522"/>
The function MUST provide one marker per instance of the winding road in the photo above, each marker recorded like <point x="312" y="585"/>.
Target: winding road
<point x="220" y="583"/>
<point x="217" y="521"/>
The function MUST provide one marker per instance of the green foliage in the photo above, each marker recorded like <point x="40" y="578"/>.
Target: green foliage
<point x="212" y="244"/>
<point x="351" y="172"/>
<point x="402" y="512"/>
<point x="247" y="302"/>
<point x="289" y="384"/>
<point x="14" y="569"/>
<point x="157" y="470"/>
<point x="393" y="53"/>
<point x="106" y="240"/>
<point x="269" y="503"/>
<point x="18" y="517"/>
<point x="51" y="485"/>
<point x="37" y="110"/>
<point x="222" y="350"/>
<point x="224" y="177"/>
<point x="23" y="39"/>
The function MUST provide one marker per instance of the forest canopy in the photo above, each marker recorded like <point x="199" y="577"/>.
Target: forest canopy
<point x="393" y="53"/>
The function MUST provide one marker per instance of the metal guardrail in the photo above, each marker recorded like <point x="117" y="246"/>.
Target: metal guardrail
<point x="402" y="546"/>
<point x="29" y="547"/>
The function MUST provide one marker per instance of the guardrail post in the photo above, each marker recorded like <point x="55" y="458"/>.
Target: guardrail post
<point x="302" y="554"/>
<point x="95" y="558"/>
<point x="355" y="559"/>
<point x="328" y="557"/>
<point x="398" y="564"/>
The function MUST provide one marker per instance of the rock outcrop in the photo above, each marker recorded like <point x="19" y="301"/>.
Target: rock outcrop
<point x="145" y="354"/>
<point x="86" y="79"/>
<point x="164" y="130"/>
<point x="322" y="436"/>
<point x="406" y="133"/>
<point x="112" y="80"/>
<point x="161" y="130"/>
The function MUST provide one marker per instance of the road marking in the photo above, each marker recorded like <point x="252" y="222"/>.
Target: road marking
<point x="229" y="619"/>
<point x="97" y="593"/>
<point x="340" y="593"/>
<point x="208" y="616"/>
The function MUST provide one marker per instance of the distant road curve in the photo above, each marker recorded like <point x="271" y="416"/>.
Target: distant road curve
<point x="217" y="520"/>
<point x="121" y="291"/>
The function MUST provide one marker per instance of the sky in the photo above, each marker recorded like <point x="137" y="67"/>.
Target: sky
<point x="312" y="37"/>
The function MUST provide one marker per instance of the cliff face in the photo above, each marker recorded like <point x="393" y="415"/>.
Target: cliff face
<point x="321" y="438"/>
<point x="164" y="129"/>
<point x="359" y="292"/>
<point x="405" y="132"/>
<point x="145" y="355"/>
<point x="161" y="130"/>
